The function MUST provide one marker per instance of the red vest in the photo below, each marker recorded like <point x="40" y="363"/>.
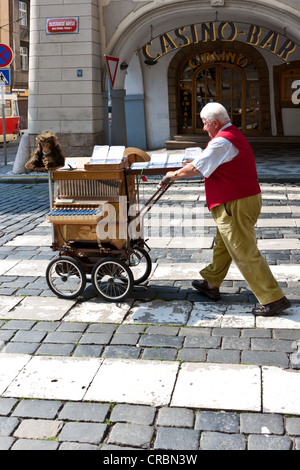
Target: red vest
<point x="236" y="179"/>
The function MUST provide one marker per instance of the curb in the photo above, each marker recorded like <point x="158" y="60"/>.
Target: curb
<point x="23" y="179"/>
<point x="292" y="179"/>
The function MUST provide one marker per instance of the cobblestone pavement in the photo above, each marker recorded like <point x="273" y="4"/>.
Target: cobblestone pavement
<point x="166" y="369"/>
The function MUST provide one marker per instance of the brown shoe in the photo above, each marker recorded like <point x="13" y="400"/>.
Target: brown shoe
<point x="203" y="289"/>
<point x="272" y="308"/>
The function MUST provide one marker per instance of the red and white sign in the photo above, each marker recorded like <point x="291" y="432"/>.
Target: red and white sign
<point x="62" y="25"/>
<point x="112" y="66"/>
<point x="6" y="55"/>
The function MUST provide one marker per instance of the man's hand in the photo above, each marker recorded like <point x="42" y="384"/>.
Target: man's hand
<point x="168" y="178"/>
<point x="186" y="171"/>
<point x="172" y="175"/>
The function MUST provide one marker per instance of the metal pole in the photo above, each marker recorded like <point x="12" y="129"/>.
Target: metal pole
<point x="3" y="122"/>
<point x="51" y="200"/>
<point x="50" y="183"/>
<point x="109" y="105"/>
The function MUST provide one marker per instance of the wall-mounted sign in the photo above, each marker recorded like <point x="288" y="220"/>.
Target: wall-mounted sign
<point x="251" y="34"/>
<point x="62" y="25"/>
<point x="230" y="57"/>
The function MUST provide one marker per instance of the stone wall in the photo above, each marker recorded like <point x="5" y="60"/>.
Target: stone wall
<point x="65" y="77"/>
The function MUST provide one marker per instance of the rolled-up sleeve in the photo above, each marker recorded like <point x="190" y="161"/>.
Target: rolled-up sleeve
<point x="218" y="151"/>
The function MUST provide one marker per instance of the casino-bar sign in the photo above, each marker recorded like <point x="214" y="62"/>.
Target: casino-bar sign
<point x="62" y="25"/>
<point x="254" y="35"/>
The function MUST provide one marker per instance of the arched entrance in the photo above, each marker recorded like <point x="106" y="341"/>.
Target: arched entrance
<point x="232" y="73"/>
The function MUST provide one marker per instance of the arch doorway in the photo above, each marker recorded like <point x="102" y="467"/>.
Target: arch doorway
<point x="231" y="73"/>
<point x="225" y="83"/>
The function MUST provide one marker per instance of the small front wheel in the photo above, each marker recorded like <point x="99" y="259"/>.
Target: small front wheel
<point x="65" y="277"/>
<point x="112" y="279"/>
<point x="140" y="264"/>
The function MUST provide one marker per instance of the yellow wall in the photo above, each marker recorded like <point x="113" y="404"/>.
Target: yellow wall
<point x="4" y="20"/>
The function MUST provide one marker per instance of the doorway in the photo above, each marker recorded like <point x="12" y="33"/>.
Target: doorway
<point x="222" y="76"/>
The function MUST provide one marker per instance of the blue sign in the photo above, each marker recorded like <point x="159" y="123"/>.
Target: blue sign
<point x="5" y="77"/>
<point x="6" y="55"/>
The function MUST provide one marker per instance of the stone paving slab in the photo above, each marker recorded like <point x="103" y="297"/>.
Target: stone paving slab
<point x="53" y="377"/>
<point x="10" y="366"/>
<point x="98" y="311"/>
<point x="281" y="391"/>
<point x="190" y="271"/>
<point x="188" y="242"/>
<point x="134" y="381"/>
<point x="180" y="272"/>
<point x="279" y="244"/>
<point x="6" y="265"/>
<point x="221" y="315"/>
<point x="160" y="311"/>
<point x="218" y="386"/>
<point x="208" y="314"/>
<point x="7" y="304"/>
<point x="151" y="383"/>
<point x="295" y="210"/>
<point x="289" y="319"/>
<point x="30" y="240"/>
<point x="275" y="222"/>
<point x="155" y="221"/>
<point x="28" y="268"/>
<point x="180" y="242"/>
<point x="154" y="242"/>
<point x="39" y="308"/>
<point x="286" y="209"/>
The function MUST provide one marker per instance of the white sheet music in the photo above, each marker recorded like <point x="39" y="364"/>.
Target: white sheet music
<point x="176" y="158"/>
<point x="116" y="153"/>
<point x="100" y="152"/>
<point x="193" y="152"/>
<point x="159" y="157"/>
<point x="106" y="154"/>
<point x="139" y="165"/>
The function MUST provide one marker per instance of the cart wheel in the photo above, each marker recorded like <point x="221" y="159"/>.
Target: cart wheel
<point x="112" y="279"/>
<point x="140" y="264"/>
<point x="65" y="277"/>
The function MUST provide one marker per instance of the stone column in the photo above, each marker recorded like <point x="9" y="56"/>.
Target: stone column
<point x="65" y="93"/>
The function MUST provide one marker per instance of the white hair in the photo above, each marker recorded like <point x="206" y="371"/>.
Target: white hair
<point x="215" y="111"/>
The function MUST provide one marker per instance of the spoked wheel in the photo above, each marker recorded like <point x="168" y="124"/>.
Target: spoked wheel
<point x="65" y="277"/>
<point x="140" y="264"/>
<point x="112" y="279"/>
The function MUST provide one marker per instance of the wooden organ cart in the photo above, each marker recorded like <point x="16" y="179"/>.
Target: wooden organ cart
<point x="90" y="215"/>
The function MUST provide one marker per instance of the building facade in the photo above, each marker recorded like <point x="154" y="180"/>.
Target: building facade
<point x="14" y="32"/>
<point x="174" y="57"/>
<point x="19" y="40"/>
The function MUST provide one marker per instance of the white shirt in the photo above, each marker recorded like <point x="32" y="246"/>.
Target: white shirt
<point x="218" y="151"/>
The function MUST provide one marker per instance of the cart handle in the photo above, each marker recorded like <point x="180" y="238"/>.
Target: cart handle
<point x="160" y="191"/>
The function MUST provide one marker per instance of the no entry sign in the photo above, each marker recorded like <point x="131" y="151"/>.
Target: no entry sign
<point x="6" y="55"/>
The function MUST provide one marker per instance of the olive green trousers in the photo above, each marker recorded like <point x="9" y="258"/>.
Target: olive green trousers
<point x="236" y="241"/>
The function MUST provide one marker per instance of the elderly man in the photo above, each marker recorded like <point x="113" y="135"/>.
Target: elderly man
<point x="233" y="196"/>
